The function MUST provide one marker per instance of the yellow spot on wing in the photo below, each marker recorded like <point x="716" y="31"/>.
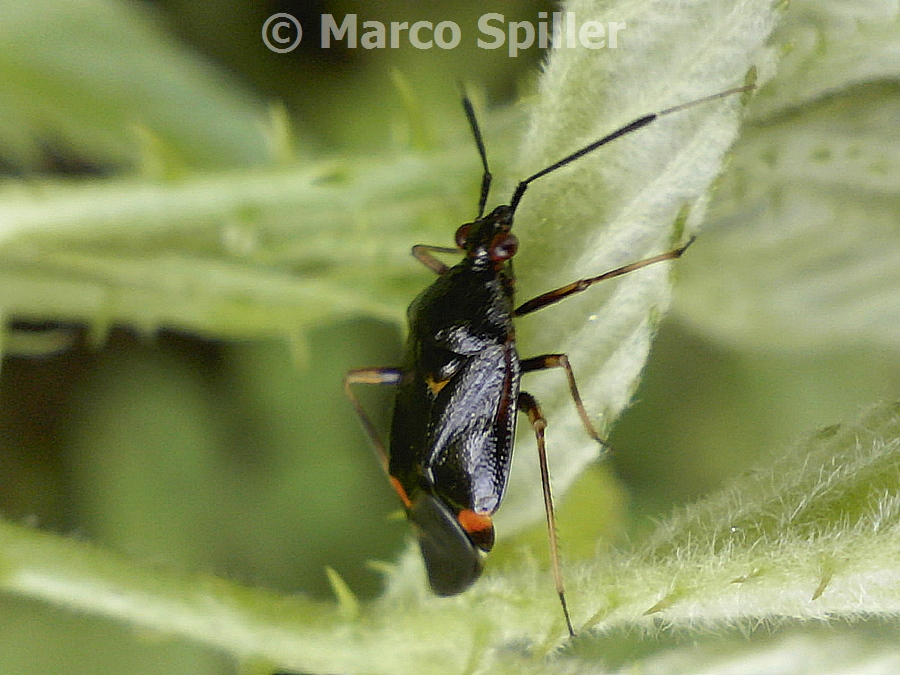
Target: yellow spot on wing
<point x="435" y="385"/>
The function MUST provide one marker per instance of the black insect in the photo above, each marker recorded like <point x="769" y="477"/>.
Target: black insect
<point x="458" y="389"/>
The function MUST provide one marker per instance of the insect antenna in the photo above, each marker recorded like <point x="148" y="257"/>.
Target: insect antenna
<point x="627" y="129"/>
<point x="476" y="132"/>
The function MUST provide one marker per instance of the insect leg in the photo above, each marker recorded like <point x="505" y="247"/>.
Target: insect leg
<point x="370" y="376"/>
<point x="422" y="253"/>
<point x="558" y="294"/>
<point x="546" y="361"/>
<point x="528" y="405"/>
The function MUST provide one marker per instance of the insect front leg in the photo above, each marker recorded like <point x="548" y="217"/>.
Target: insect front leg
<point x="562" y="361"/>
<point x="370" y="376"/>
<point x="557" y="294"/>
<point x="422" y="253"/>
<point x="530" y="407"/>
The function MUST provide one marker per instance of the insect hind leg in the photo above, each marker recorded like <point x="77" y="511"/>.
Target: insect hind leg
<point x="370" y="376"/>
<point x="529" y="405"/>
<point x="546" y="361"/>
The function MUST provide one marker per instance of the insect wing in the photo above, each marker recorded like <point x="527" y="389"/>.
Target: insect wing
<point x="453" y="563"/>
<point x="473" y="429"/>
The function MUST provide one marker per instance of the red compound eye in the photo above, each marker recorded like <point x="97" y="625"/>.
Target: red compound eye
<point x="462" y="233"/>
<point x="504" y="247"/>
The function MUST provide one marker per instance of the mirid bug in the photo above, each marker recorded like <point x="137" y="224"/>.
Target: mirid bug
<point x="458" y="389"/>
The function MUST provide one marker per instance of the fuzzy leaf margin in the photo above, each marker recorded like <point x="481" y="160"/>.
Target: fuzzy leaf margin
<point x="813" y="536"/>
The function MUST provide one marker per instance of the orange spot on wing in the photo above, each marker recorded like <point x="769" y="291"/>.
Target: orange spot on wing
<point x="474" y="522"/>
<point x="479" y="527"/>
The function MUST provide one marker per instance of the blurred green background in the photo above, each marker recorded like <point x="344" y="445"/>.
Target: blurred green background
<point x="241" y="457"/>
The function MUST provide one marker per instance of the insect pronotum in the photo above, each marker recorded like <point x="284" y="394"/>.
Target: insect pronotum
<point x="458" y="386"/>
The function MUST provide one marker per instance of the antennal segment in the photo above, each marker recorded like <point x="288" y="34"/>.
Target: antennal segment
<point x="627" y="129"/>
<point x="476" y="132"/>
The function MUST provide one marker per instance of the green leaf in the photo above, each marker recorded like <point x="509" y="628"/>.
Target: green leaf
<point x="249" y="254"/>
<point x="272" y="252"/>
<point x="626" y="202"/>
<point x="816" y="535"/>
<point x="102" y="79"/>
<point x="802" y="241"/>
<point x="264" y="251"/>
